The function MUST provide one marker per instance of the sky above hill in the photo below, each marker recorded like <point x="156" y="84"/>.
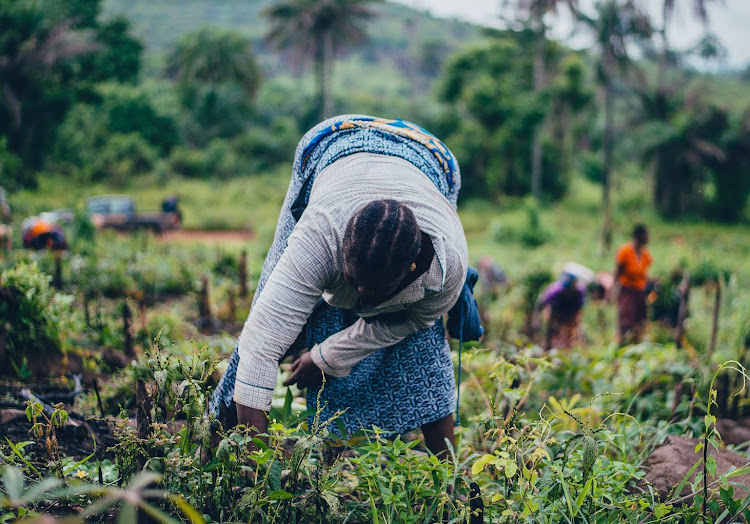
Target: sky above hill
<point x="729" y="21"/>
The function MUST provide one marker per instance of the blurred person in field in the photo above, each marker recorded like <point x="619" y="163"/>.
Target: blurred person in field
<point x="600" y="290"/>
<point x="564" y="300"/>
<point x="632" y="263"/>
<point x="40" y="234"/>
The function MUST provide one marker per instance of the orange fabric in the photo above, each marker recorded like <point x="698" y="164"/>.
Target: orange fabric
<point x="40" y="227"/>
<point x="634" y="268"/>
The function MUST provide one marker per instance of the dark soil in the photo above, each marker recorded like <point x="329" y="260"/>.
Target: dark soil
<point x="78" y="438"/>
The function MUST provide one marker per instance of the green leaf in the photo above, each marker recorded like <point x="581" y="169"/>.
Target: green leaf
<point x="17" y="451"/>
<point x="34" y="492"/>
<point x="75" y="466"/>
<point x="584" y="492"/>
<point x="738" y="472"/>
<point x="13" y="482"/>
<point x="127" y="515"/>
<point x="510" y="468"/>
<point x="188" y="510"/>
<point x="711" y="465"/>
<point x="678" y="489"/>
<point x="479" y="465"/>
<point x="279" y="494"/>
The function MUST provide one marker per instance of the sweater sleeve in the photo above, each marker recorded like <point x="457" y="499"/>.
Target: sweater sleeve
<point x="340" y="352"/>
<point x="293" y="288"/>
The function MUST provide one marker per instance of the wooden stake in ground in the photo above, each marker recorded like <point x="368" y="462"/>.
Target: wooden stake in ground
<point x="143" y="425"/>
<point x="684" y="288"/>
<point x="715" y="321"/>
<point x="86" y="316"/>
<point x="57" y="277"/>
<point x="243" y="274"/>
<point x="95" y="385"/>
<point x="231" y="306"/>
<point x="142" y="416"/>
<point x="204" y="303"/>
<point x="127" y="321"/>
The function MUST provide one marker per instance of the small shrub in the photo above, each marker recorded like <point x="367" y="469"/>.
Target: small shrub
<point x="261" y="149"/>
<point x="29" y="329"/>
<point x="188" y="162"/>
<point x="122" y="157"/>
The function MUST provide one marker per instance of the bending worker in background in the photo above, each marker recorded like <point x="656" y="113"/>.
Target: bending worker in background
<point x="633" y="261"/>
<point x="565" y="299"/>
<point x="369" y="253"/>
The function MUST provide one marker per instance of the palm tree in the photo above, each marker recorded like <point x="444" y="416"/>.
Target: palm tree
<point x="212" y="57"/>
<point x="534" y="11"/>
<point x="618" y="24"/>
<point x="318" y="29"/>
<point x="700" y="11"/>
<point x="217" y="80"/>
<point x="33" y="82"/>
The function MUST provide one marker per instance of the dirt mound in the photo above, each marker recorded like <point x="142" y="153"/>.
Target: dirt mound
<point x="78" y="438"/>
<point x="671" y="462"/>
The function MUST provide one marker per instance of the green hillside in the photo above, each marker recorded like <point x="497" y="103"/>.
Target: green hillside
<point x="399" y="36"/>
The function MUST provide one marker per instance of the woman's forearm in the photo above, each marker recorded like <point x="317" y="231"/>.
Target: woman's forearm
<point x="252" y="418"/>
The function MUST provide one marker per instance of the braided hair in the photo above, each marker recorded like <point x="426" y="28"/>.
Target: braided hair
<point x="382" y="239"/>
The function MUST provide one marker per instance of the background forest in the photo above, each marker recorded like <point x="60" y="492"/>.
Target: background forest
<point x="109" y="351"/>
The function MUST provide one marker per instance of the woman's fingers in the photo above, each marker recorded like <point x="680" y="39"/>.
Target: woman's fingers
<point x="291" y="380"/>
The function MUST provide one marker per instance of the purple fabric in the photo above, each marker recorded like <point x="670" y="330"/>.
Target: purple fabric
<point x="564" y="302"/>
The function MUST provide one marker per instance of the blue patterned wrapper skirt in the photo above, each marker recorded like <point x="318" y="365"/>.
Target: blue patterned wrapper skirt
<point x="397" y="388"/>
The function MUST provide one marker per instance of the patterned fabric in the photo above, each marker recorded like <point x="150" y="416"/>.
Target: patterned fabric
<point x="632" y="311"/>
<point x="397" y="388"/>
<point x="396" y="127"/>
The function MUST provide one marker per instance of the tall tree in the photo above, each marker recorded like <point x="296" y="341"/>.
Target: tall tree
<point x="680" y="138"/>
<point x="495" y="114"/>
<point x="534" y="11"/>
<point x="616" y="26"/>
<point x="217" y="79"/>
<point x="51" y="53"/>
<point x="317" y="29"/>
<point x="33" y="85"/>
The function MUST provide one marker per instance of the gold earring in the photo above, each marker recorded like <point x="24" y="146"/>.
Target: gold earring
<point x="413" y="266"/>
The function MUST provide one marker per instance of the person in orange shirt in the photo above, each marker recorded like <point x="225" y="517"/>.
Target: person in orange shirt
<point x="633" y="261"/>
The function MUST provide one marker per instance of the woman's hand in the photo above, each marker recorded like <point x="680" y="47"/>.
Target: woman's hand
<point x="305" y="372"/>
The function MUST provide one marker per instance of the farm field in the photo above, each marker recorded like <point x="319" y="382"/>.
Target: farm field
<point x="558" y="436"/>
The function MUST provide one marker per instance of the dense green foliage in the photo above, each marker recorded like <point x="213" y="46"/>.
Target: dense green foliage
<point x="216" y="80"/>
<point x="233" y="104"/>
<point x="498" y="112"/>
<point x="52" y="54"/>
<point x="545" y="436"/>
<point x="212" y="112"/>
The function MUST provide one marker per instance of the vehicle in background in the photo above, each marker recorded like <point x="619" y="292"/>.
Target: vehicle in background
<point x="57" y="216"/>
<point x="119" y="212"/>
